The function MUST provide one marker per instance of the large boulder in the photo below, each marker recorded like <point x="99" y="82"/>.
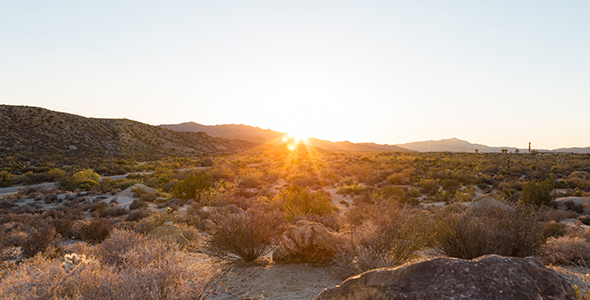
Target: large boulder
<point x="169" y="234"/>
<point x="483" y="204"/>
<point x="489" y="277"/>
<point x="307" y="242"/>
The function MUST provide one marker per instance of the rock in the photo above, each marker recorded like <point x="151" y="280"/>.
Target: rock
<point x="582" y="202"/>
<point x="484" y="203"/>
<point x="485" y="278"/>
<point x="177" y="239"/>
<point x="165" y="230"/>
<point x="224" y="210"/>
<point x="585" y="219"/>
<point x="138" y="186"/>
<point x="169" y="234"/>
<point x="307" y="242"/>
<point x="232" y="209"/>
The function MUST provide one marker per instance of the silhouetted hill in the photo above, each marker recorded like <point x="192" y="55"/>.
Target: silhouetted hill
<point x="453" y="145"/>
<point x="230" y="131"/>
<point x="578" y="150"/>
<point x="256" y="134"/>
<point x="35" y="133"/>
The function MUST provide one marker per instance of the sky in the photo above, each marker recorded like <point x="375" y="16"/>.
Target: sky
<point x="500" y="73"/>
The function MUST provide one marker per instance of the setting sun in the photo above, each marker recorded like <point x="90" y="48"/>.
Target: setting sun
<point x="298" y="137"/>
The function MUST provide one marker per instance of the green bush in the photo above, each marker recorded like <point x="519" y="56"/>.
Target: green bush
<point x="298" y="202"/>
<point x="85" y="179"/>
<point x="429" y="187"/>
<point x="193" y="186"/>
<point x="537" y="193"/>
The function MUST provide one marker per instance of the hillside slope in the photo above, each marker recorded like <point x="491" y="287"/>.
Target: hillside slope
<point x="36" y="133"/>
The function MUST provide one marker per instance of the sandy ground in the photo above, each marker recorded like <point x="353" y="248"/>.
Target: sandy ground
<point x="267" y="280"/>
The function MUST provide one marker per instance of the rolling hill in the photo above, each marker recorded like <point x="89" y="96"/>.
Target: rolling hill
<point x="38" y="133"/>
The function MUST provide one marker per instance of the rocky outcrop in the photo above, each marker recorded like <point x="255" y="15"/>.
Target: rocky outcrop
<point x="307" y="242"/>
<point x="169" y="234"/>
<point x="486" y="278"/>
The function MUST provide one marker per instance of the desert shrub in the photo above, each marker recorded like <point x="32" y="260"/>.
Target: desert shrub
<point x="137" y="204"/>
<point x="298" y="202"/>
<point x="55" y="174"/>
<point x="220" y="195"/>
<point x="247" y="236"/>
<point x="250" y="181"/>
<point x="40" y="239"/>
<point x="566" y="250"/>
<point x="148" y="197"/>
<point x="96" y="231"/>
<point x="148" y="271"/>
<point x="98" y="206"/>
<point x="554" y="229"/>
<point x="579" y="179"/>
<point x="5" y="179"/>
<point x="413" y="192"/>
<point x="353" y="189"/>
<point x="113" y="249"/>
<point x="450" y="185"/>
<point x="193" y="186"/>
<point x="510" y="232"/>
<point x="124" y="183"/>
<point x="85" y="180"/>
<point x="137" y="215"/>
<point x="537" y="193"/>
<point x="552" y="214"/>
<point x="113" y="211"/>
<point x="398" y="179"/>
<point x="429" y="187"/>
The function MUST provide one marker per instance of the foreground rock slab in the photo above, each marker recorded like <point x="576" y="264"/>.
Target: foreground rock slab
<point x="487" y="278"/>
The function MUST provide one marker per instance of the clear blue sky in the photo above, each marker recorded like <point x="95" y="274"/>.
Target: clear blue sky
<point x="491" y="72"/>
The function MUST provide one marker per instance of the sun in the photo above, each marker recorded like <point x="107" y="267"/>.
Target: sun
<point x="298" y="137"/>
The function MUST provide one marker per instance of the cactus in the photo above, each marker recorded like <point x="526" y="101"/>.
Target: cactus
<point x="73" y="260"/>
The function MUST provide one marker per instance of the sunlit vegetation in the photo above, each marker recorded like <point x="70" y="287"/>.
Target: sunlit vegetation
<point x="381" y="208"/>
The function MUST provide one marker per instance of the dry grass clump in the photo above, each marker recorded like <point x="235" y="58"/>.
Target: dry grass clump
<point x="129" y="266"/>
<point x="572" y="249"/>
<point x="382" y="236"/>
<point x="566" y="250"/>
<point x="514" y="231"/>
<point x="245" y="236"/>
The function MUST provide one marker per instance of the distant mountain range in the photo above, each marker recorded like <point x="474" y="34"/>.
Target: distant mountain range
<point x="258" y="135"/>
<point x="35" y="133"/>
<point x="454" y="145"/>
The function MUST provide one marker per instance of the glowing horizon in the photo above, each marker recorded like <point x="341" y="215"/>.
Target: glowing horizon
<point x="496" y="73"/>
